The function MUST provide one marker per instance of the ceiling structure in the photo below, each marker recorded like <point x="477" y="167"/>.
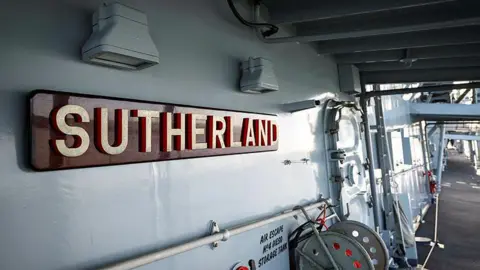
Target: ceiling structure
<point x="390" y="41"/>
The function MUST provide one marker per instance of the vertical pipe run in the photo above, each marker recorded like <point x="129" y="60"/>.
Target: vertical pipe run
<point x="478" y="156"/>
<point x="385" y="164"/>
<point x="371" y="168"/>
<point x="423" y="142"/>
<point x="472" y="151"/>
<point x="475" y="153"/>
<point x="434" y="234"/>
<point x="441" y="146"/>
<point x="427" y="143"/>
<point x="475" y="97"/>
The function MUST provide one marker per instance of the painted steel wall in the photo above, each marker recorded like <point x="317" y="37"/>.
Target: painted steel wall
<point x="396" y="112"/>
<point x="413" y="183"/>
<point x="88" y="217"/>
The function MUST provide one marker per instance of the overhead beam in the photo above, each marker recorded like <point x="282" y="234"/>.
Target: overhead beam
<point x="284" y="12"/>
<point x="462" y="126"/>
<point x="428" y="89"/>
<point x="367" y="57"/>
<point x="449" y="36"/>
<point x="421" y="75"/>
<point x="451" y="14"/>
<point x="465" y="137"/>
<point x="444" y="111"/>
<point x="422" y="64"/>
<point x="450" y="51"/>
<point x="314" y="35"/>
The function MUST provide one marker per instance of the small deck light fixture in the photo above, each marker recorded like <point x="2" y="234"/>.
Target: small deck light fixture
<point x="120" y="39"/>
<point x="258" y="76"/>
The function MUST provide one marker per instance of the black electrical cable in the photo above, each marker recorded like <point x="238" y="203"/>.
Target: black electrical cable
<point x="299" y="229"/>
<point x="297" y="236"/>
<point x="272" y="28"/>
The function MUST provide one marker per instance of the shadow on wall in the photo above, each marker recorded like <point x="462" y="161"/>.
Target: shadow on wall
<point x="14" y="124"/>
<point x="58" y="29"/>
<point x="318" y="154"/>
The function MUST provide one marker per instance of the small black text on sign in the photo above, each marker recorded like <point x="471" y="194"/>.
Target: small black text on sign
<point x="272" y="245"/>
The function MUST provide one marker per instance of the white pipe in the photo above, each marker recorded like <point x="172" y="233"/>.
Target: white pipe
<point x="221" y="236"/>
<point x="441" y="147"/>
<point x="463" y="137"/>
<point x="407" y="170"/>
<point x="435" y="232"/>
<point x="301" y="105"/>
<point x="436" y="218"/>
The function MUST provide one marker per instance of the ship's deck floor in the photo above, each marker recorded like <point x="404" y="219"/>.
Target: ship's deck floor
<point x="458" y="220"/>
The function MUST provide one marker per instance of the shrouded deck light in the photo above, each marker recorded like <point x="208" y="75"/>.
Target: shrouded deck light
<point x="258" y="76"/>
<point x="120" y="39"/>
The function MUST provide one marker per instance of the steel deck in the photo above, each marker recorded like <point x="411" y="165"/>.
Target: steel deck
<point x="459" y="219"/>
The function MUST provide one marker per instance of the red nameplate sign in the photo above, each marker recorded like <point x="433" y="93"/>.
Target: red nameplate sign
<point x="73" y="131"/>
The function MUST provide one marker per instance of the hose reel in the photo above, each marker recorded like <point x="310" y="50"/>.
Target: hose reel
<point x="351" y="244"/>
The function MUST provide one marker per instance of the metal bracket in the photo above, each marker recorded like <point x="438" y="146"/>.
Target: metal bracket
<point x="289" y="162"/>
<point x="370" y="201"/>
<point x="337" y="155"/>
<point x="348" y="212"/>
<point x="367" y="163"/>
<point x="334" y="129"/>
<point x="438" y="244"/>
<point x="215" y="229"/>
<point x="407" y="60"/>
<point x="337" y="179"/>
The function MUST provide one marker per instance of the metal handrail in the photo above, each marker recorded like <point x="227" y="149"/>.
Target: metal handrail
<point x="407" y="170"/>
<point x="220" y="236"/>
